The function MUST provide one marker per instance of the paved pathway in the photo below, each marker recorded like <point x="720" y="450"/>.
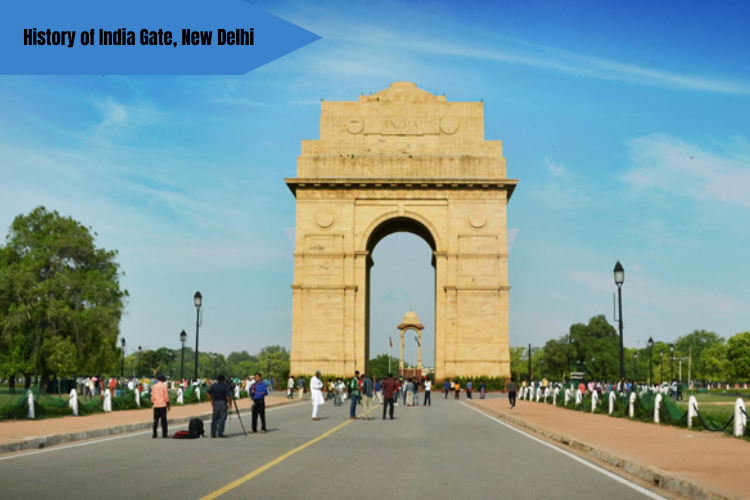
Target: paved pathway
<point x="446" y="451"/>
<point x="714" y="462"/>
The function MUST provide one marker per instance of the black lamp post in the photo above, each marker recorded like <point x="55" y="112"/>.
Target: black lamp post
<point x="198" y="300"/>
<point x="183" y="339"/>
<point x="671" y="365"/>
<point x="268" y="372"/>
<point x="122" y="343"/>
<point x="140" y="359"/>
<point x="635" y="366"/>
<point x="216" y="365"/>
<point x="541" y="371"/>
<point x="530" y="363"/>
<point x="650" y="345"/>
<point x="619" y="280"/>
<point x="661" y="354"/>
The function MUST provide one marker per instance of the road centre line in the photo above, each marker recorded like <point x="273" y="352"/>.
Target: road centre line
<point x="262" y="469"/>
<point x="597" y="468"/>
<point x="127" y="435"/>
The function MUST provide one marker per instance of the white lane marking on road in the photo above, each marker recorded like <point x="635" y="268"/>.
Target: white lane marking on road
<point x="104" y="440"/>
<point x="597" y="468"/>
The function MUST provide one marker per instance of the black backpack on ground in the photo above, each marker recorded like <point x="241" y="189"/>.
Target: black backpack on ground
<point x="195" y="428"/>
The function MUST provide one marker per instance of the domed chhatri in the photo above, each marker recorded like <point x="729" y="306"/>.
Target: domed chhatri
<point x="411" y="319"/>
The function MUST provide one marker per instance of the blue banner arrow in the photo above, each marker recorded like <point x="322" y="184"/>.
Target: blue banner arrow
<point x="142" y="37"/>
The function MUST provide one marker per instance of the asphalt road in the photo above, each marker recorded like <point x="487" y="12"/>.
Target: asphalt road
<point x="445" y="451"/>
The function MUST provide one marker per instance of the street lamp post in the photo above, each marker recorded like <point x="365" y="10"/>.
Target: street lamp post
<point x="140" y="359"/>
<point x="122" y="343"/>
<point x="541" y="366"/>
<point x="268" y="366"/>
<point x="216" y="365"/>
<point x="661" y="365"/>
<point x="619" y="280"/>
<point x="650" y="345"/>
<point x="183" y="339"/>
<point x="198" y="301"/>
<point x="671" y="365"/>
<point x="635" y="366"/>
<point x="530" y="363"/>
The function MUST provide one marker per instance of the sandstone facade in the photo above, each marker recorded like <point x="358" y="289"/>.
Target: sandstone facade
<point x="401" y="159"/>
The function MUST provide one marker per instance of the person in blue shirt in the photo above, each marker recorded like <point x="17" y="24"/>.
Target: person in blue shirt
<point x="258" y="392"/>
<point x="447" y="387"/>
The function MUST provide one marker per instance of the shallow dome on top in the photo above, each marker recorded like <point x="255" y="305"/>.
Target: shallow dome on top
<point x="411" y="319"/>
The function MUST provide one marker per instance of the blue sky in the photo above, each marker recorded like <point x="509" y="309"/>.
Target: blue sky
<point x="627" y="125"/>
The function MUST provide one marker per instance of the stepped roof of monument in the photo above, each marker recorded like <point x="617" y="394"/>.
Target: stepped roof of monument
<point x="402" y="91"/>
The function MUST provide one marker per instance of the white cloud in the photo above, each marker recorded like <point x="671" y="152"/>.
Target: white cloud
<point x="563" y="189"/>
<point x="667" y="164"/>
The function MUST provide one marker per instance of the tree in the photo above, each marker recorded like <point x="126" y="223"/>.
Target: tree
<point x="693" y="345"/>
<point x="738" y="357"/>
<point x="59" y="295"/>
<point x="379" y="366"/>
<point x="714" y="361"/>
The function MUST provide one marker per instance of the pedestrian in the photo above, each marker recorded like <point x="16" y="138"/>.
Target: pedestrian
<point x="160" y="400"/>
<point x="416" y="391"/>
<point x="220" y="397"/>
<point x="290" y="387"/>
<point x="389" y="389"/>
<point x="427" y="392"/>
<point x="404" y="390"/>
<point x="447" y="387"/>
<point x="512" y="394"/>
<point x="354" y="393"/>
<point x="338" y="389"/>
<point x="482" y="390"/>
<point x="316" y="394"/>
<point x="378" y="386"/>
<point x="469" y="386"/>
<point x="301" y="386"/>
<point x="258" y="392"/>
<point x="366" y="397"/>
<point x="457" y="389"/>
<point x="409" y="393"/>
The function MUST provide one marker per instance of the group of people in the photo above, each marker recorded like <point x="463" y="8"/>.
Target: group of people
<point x="454" y="387"/>
<point x="220" y="394"/>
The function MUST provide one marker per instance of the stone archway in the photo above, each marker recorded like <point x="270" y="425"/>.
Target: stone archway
<point x="401" y="160"/>
<point x="411" y="323"/>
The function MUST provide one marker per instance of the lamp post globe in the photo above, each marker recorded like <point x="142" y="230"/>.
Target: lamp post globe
<point x="671" y="364"/>
<point x="619" y="273"/>
<point x="198" y="301"/>
<point x="661" y="365"/>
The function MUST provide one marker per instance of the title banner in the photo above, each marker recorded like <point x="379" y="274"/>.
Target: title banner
<point x="142" y="37"/>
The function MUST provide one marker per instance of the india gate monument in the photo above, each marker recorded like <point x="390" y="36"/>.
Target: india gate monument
<point x="401" y="160"/>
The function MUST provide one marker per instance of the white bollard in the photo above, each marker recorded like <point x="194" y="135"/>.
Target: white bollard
<point x="73" y="401"/>
<point x="579" y="396"/>
<point x="612" y="396"/>
<point x="567" y="396"/>
<point x="692" y="406"/>
<point x="107" y="401"/>
<point x="30" y="401"/>
<point x="198" y="393"/>
<point x="554" y="395"/>
<point x="594" y="400"/>
<point x="538" y="394"/>
<point x="740" y="419"/>
<point x="236" y="392"/>
<point x="631" y="406"/>
<point x="657" y="404"/>
<point x="138" y="397"/>
<point x="180" y="397"/>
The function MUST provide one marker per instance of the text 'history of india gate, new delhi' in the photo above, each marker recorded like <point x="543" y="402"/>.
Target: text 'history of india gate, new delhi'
<point x="401" y="159"/>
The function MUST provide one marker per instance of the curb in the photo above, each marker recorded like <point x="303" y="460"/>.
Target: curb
<point x="652" y="475"/>
<point x="58" y="439"/>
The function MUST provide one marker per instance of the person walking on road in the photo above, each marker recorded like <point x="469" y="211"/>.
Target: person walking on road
<point x="301" y="386"/>
<point x="290" y="387"/>
<point x="316" y="393"/>
<point x="457" y="389"/>
<point x="512" y="394"/>
<point x="354" y="393"/>
<point x="367" y="397"/>
<point x="160" y="400"/>
<point x="447" y="387"/>
<point x="258" y="392"/>
<point x="469" y="386"/>
<point x="416" y="391"/>
<point x="220" y="397"/>
<point x="482" y="390"/>
<point x="378" y="390"/>
<point x="427" y="392"/>
<point x="389" y="389"/>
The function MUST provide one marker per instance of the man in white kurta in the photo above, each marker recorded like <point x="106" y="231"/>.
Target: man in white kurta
<point x="316" y="392"/>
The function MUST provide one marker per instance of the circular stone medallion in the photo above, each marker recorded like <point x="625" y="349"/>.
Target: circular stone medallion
<point x="449" y="125"/>
<point x="324" y="220"/>
<point x="477" y="221"/>
<point x="355" y="125"/>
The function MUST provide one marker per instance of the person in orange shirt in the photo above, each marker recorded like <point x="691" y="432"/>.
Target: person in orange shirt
<point x="160" y="400"/>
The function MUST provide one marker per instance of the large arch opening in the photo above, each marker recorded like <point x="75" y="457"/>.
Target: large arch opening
<point x="403" y="280"/>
